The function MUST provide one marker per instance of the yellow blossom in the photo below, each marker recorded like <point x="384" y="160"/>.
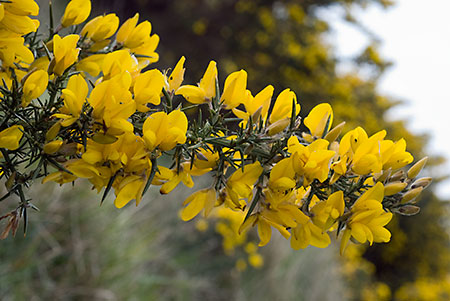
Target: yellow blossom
<point x="34" y="86"/>
<point x="132" y="36"/>
<point x="234" y="91"/>
<point x="147" y="89"/>
<point x="240" y="183"/>
<point x="12" y="47"/>
<point x="74" y="96"/>
<point x="118" y="62"/>
<point x="76" y="12"/>
<point x="101" y="28"/>
<point x="18" y="22"/>
<point x="368" y="218"/>
<point x="52" y="147"/>
<point x="129" y="188"/>
<point x="113" y="104"/>
<point x="65" y="53"/>
<point x="307" y="233"/>
<point x="282" y="108"/>
<point x="394" y="155"/>
<point x="171" y="178"/>
<point x="176" y="77"/>
<point x="146" y="52"/>
<point x="10" y="137"/>
<point x="165" y="131"/>
<point x="257" y="106"/>
<point x="196" y="202"/>
<point x="363" y="151"/>
<point x="312" y="161"/>
<point x="91" y="64"/>
<point x="325" y="213"/>
<point x="206" y="89"/>
<point x="319" y="121"/>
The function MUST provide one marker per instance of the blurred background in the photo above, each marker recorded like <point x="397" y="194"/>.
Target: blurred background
<point x="349" y="53"/>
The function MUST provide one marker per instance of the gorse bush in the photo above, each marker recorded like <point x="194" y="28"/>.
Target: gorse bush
<point x="86" y="104"/>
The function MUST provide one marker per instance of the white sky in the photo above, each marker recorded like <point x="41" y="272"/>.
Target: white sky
<point x="415" y="36"/>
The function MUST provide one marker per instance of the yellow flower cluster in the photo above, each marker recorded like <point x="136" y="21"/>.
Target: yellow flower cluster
<point x="108" y="118"/>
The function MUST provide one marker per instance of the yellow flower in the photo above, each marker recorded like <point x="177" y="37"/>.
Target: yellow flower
<point x="165" y="131"/>
<point x="206" y="89"/>
<point x="74" y="96"/>
<point x="10" y="137"/>
<point x="326" y="213"/>
<point x="65" y="53"/>
<point x="131" y="187"/>
<point x="52" y="147"/>
<point x="15" y="17"/>
<point x="132" y="36"/>
<point x="312" y="161"/>
<point x="368" y="218"/>
<point x="176" y="77"/>
<point x="196" y="202"/>
<point x="34" y="86"/>
<point x="282" y="176"/>
<point x="147" y="89"/>
<point x="12" y="48"/>
<point x="170" y="178"/>
<point x="318" y="121"/>
<point x="363" y="151"/>
<point x="394" y="155"/>
<point x="40" y="64"/>
<point x="118" y="62"/>
<point x="240" y="183"/>
<point x="100" y="28"/>
<point x="282" y="108"/>
<point x="257" y="106"/>
<point x="113" y="104"/>
<point x="146" y="52"/>
<point x="206" y="159"/>
<point x="91" y="64"/>
<point x="22" y="7"/>
<point x="76" y="12"/>
<point x="307" y="233"/>
<point x="235" y="89"/>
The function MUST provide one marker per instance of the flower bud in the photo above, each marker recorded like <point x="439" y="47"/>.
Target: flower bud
<point x="383" y="175"/>
<point x="399" y="175"/>
<point x="52" y="147"/>
<point x="411" y="195"/>
<point x="104" y="138"/>
<point x="407" y="210"/>
<point x="53" y="131"/>
<point x="394" y="187"/>
<point x="278" y="126"/>
<point x="416" y="168"/>
<point x="334" y="133"/>
<point x="70" y="149"/>
<point x="257" y="114"/>
<point x="11" y="180"/>
<point x="422" y="182"/>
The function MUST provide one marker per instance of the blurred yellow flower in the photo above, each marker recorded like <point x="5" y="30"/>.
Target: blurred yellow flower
<point x="10" y="137"/>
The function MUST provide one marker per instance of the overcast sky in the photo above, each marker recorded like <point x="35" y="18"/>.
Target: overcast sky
<point x="415" y="35"/>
